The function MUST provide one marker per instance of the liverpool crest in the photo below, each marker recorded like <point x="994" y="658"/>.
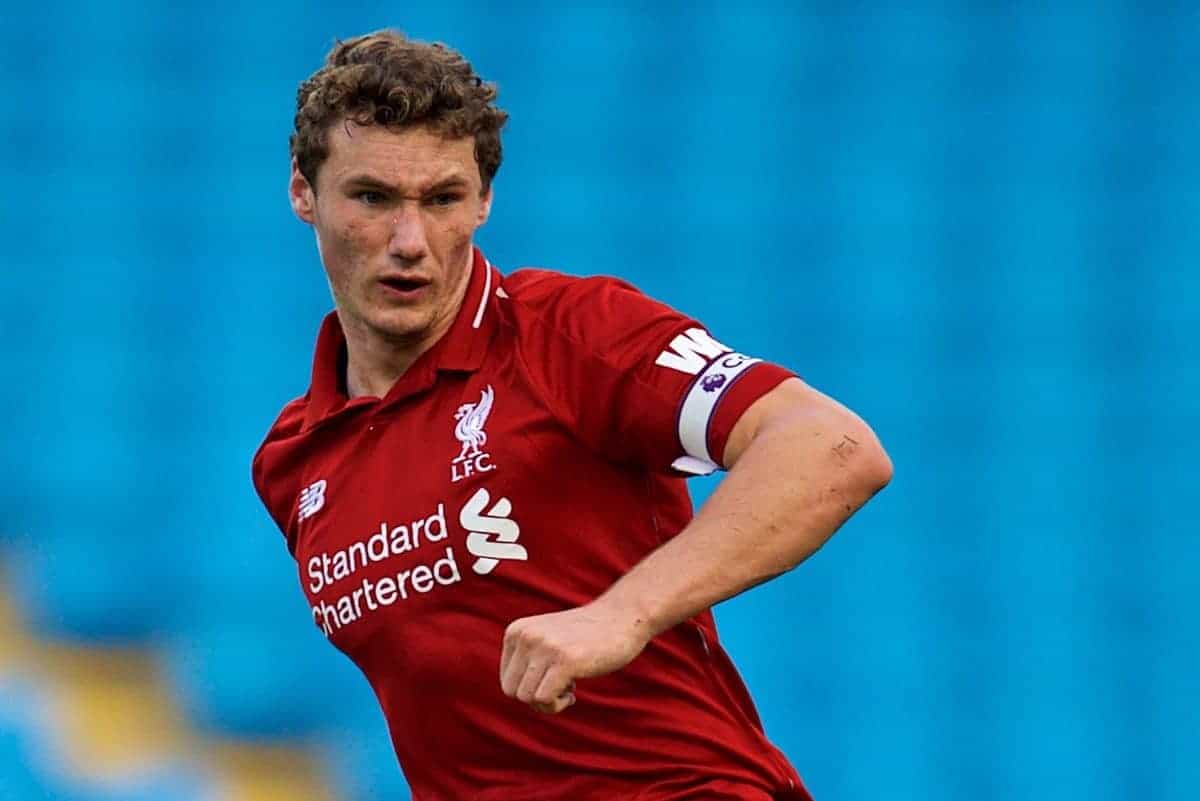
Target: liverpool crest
<point x="471" y="419"/>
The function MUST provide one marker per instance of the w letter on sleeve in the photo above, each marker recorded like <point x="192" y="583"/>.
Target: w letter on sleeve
<point x="691" y="351"/>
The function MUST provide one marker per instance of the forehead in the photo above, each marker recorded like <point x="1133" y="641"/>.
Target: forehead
<point x="407" y="157"/>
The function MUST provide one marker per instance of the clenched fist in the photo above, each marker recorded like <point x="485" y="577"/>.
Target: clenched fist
<point x="544" y="655"/>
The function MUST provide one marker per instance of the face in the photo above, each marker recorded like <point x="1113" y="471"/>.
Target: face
<point x="394" y="214"/>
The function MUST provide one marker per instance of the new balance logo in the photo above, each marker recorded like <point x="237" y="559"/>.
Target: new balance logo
<point x="504" y="533"/>
<point x="312" y="498"/>
<point x="691" y="351"/>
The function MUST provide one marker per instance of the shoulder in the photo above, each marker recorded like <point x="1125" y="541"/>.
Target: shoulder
<point x="288" y="423"/>
<point x="538" y="288"/>
<point x="586" y="309"/>
<point x="273" y="467"/>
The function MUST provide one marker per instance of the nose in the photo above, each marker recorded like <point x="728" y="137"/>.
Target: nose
<point x="408" y="235"/>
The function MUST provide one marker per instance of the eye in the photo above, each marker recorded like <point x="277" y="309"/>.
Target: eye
<point x="370" y="197"/>
<point x="445" y="199"/>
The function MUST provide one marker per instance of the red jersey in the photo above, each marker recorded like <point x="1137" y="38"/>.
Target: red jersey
<point x="522" y="465"/>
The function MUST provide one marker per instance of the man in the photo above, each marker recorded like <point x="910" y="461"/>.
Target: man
<point x="484" y="487"/>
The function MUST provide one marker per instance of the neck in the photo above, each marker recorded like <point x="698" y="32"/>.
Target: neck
<point x="375" y="361"/>
<point x="373" y="365"/>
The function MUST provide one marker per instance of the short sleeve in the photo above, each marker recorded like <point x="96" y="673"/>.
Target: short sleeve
<point x="275" y="465"/>
<point x="635" y="379"/>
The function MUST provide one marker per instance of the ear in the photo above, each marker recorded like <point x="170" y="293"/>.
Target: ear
<point x="302" y="195"/>
<point x="485" y="208"/>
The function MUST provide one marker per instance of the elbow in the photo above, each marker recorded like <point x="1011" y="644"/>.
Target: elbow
<point x="868" y="463"/>
<point x="879" y="470"/>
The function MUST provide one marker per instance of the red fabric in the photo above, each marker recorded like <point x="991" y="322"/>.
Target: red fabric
<point x="415" y="559"/>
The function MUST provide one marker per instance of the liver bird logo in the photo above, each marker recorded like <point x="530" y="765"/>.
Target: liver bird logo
<point x="472" y="417"/>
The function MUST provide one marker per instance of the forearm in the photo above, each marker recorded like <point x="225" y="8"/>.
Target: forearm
<point x="799" y="465"/>
<point x="799" y="479"/>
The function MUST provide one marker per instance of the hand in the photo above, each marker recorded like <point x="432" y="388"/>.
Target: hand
<point x="544" y="655"/>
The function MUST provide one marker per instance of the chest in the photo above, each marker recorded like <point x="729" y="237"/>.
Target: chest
<point x="452" y="505"/>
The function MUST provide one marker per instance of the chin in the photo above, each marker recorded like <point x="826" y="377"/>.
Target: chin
<point x="401" y="324"/>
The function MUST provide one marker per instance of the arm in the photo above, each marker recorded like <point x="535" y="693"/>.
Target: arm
<point x="800" y="465"/>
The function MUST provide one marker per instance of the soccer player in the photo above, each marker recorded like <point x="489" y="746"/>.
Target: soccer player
<point x="483" y="487"/>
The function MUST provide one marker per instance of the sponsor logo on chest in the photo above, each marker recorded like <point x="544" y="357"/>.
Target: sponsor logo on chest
<point x="492" y="537"/>
<point x="469" y="431"/>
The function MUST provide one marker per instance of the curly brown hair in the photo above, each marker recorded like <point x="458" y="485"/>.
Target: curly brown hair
<point x="385" y="78"/>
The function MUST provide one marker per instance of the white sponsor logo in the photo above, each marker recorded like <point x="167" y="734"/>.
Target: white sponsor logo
<point x="472" y="417"/>
<point x="502" y="544"/>
<point x="426" y="561"/>
<point x="691" y="351"/>
<point x="312" y="498"/>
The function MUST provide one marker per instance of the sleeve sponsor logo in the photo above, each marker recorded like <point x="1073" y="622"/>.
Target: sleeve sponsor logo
<point x="691" y="351"/>
<point x="716" y="366"/>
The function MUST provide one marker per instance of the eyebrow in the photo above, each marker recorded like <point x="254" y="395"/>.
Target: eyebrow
<point x="364" y="180"/>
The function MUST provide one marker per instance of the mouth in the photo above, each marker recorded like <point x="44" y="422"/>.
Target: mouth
<point x="404" y="287"/>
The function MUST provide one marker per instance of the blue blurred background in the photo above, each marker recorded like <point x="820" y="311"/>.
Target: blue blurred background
<point x="975" y="224"/>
